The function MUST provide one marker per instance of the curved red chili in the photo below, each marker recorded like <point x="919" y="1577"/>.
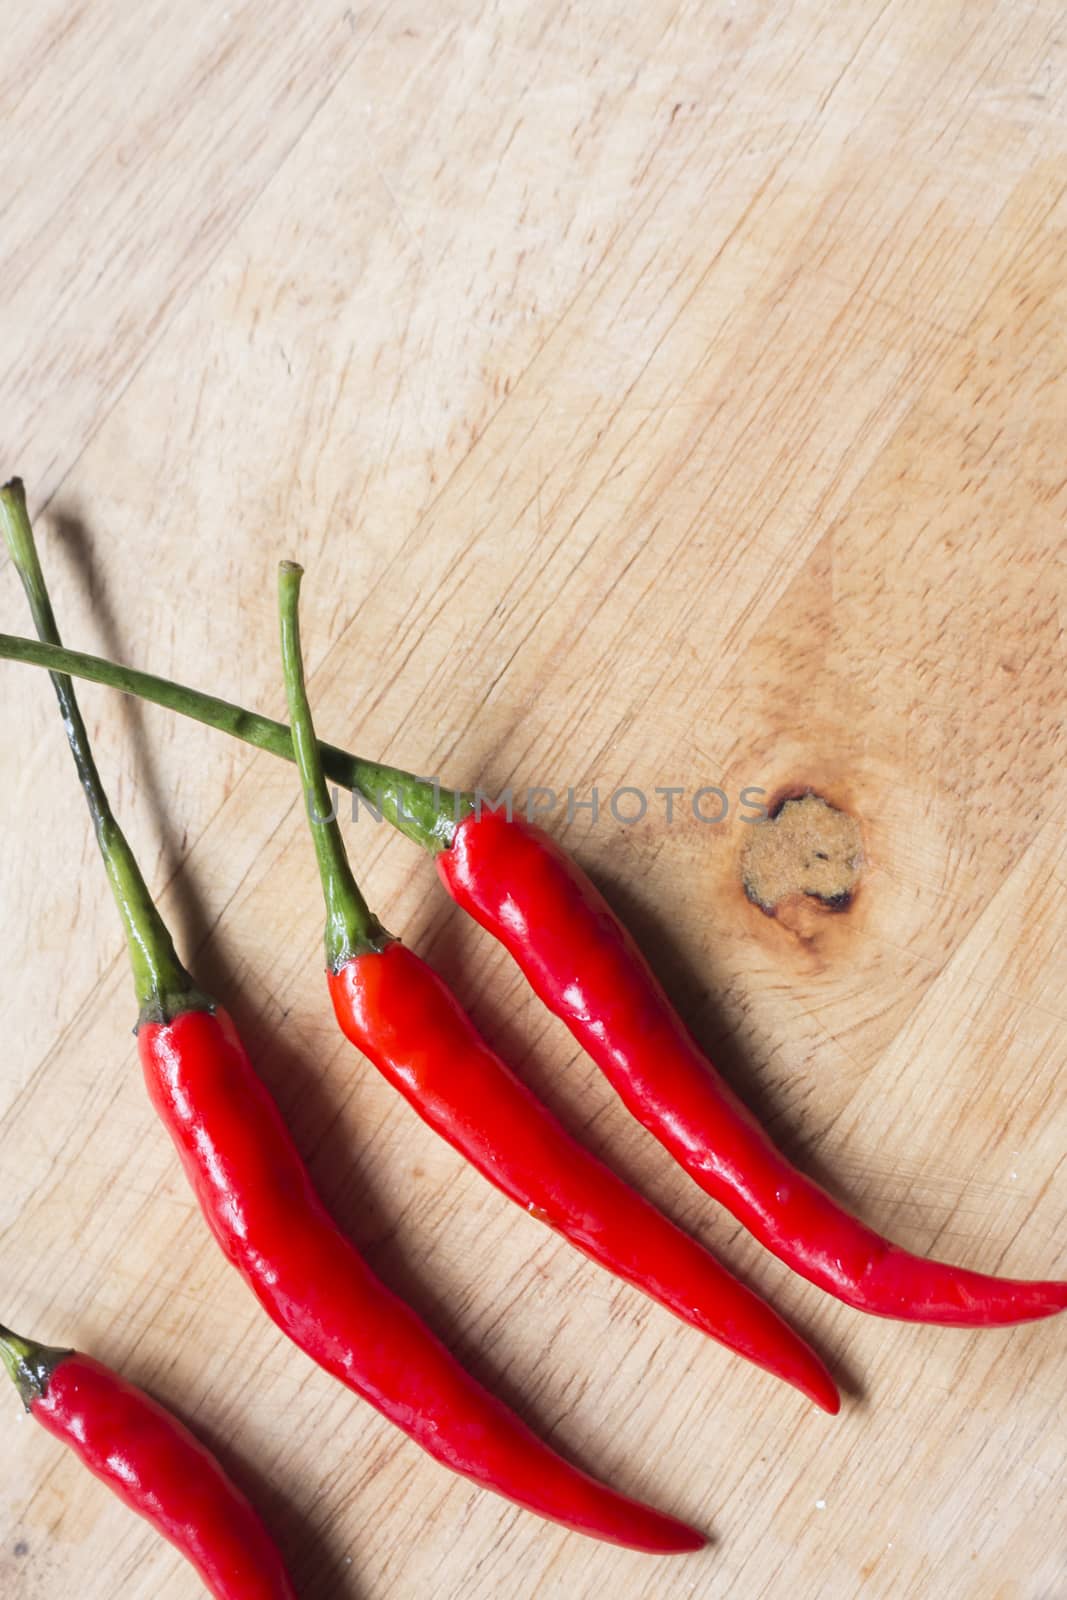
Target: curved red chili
<point x="396" y="1009"/>
<point x="153" y="1463"/>
<point x="529" y="894"/>
<point x="260" y="1203"/>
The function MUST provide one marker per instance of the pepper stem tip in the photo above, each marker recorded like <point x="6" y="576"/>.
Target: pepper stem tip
<point x="29" y="1365"/>
<point x="352" y="929"/>
<point x="162" y="983"/>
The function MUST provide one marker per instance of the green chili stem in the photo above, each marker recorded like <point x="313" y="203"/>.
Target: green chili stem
<point x="29" y="1364"/>
<point x="352" y="929"/>
<point x="424" y="811"/>
<point x="162" y="983"/>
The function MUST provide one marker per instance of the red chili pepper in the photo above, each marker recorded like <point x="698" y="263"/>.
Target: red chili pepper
<point x="259" y="1201"/>
<point x="521" y="886"/>
<point x="530" y="895"/>
<point x="153" y="1463"/>
<point x="396" y="1009"/>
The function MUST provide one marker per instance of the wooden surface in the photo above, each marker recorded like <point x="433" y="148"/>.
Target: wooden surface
<point x="661" y="395"/>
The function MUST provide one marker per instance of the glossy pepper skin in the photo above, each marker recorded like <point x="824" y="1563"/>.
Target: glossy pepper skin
<point x="523" y="888"/>
<point x="157" y="1468"/>
<point x="401" y="1015"/>
<point x="399" y="1012"/>
<point x="259" y="1202"/>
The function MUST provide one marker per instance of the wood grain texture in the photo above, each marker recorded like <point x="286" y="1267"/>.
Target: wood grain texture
<point x="672" y="398"/>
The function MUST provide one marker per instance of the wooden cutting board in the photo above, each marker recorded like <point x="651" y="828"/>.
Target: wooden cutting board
<point x="661" y="396"/>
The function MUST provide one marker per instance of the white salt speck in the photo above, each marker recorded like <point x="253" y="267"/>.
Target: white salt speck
<point x="820" y="1505"/>
<point x="1013" y="1176"/>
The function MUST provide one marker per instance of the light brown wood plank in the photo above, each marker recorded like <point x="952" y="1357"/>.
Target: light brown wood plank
<point x="672" y="399"/>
